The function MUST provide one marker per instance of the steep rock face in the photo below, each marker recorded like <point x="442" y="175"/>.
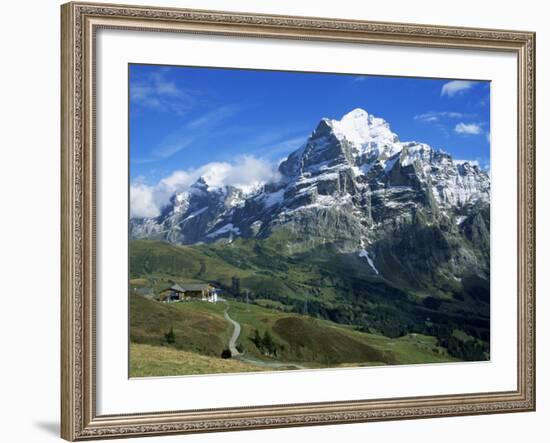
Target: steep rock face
<point x="191" y="216"/>
<point x="403" y="207"/>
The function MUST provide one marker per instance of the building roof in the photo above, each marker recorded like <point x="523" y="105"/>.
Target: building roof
<point x="177" y="288"/>
<point x="195" y="287"/>
<point x="188" y="287"/>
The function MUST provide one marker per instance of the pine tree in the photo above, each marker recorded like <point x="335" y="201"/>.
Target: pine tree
<point x="269" y="344"/>
<point x="235" y="286"/>
<point x="170" y="337"/>
<point x="257" y="340"/>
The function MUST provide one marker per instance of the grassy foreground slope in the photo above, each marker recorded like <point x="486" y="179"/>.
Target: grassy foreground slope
<point x="196" y="328"/>
<point x="151" y="361"/>
<point x="200" y="330"/>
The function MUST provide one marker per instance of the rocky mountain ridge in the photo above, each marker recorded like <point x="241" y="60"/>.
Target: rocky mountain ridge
<point x="355" y="187"/>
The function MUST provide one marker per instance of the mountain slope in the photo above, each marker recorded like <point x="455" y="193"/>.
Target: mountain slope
<point x="411" y="213"/>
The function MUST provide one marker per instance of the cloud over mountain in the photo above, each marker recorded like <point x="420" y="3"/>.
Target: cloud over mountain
<point x="245" y="173"/>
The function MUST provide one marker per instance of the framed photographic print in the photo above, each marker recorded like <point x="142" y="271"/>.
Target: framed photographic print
<point x="282" y="221"/>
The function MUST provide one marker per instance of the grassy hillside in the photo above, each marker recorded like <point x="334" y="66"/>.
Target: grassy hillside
<point x="201" y="330"/>
<point x="323" y="284"/>
<point x="320" y="343"/>
<point x="150" y="361"/>
<point x="195" y="328"/>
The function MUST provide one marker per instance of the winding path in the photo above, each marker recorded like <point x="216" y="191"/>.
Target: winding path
<point x="236" y="332"/>
<point x="232" y="345"/>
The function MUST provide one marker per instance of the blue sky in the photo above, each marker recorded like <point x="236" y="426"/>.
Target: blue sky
<point x="182" y="118"/>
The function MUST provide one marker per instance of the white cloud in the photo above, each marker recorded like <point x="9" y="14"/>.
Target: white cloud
<point x="199" y="128"/>
<point x="213" y="117"/>
<point x="246" y="173"/>
<point x="178" y="181"/>
<point x="171" y="145"/>
<point x="468" y="128"/>
<point x="142" y="201"/>
<point x="432" y="117"/>
<point x="428" y="118"/>
<point x="156" y="91"/>
<point x="452" y="88"/>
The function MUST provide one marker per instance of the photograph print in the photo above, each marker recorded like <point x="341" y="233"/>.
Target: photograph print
<point x="299" y="220"/>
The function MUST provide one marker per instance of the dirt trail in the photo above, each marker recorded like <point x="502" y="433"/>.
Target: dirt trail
<point x="235" y="335"/>
<point x="232" y="345"/>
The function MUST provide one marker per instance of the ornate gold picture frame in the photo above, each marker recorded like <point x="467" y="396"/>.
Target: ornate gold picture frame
<point x="80" y="23"/>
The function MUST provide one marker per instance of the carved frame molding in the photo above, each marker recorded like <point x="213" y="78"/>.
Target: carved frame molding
<point x="80" y="21"/>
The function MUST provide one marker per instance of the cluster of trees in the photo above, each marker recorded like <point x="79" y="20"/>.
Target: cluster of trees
<point x="475" y="347"/>
<point x="266" y="345"/>
<point x="468" y="350"/>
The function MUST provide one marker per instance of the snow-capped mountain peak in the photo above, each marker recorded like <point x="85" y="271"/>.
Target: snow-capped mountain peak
<point x="351" y="179"/>
<point x="365" y="132"/>
<point x="357" y="138"/>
